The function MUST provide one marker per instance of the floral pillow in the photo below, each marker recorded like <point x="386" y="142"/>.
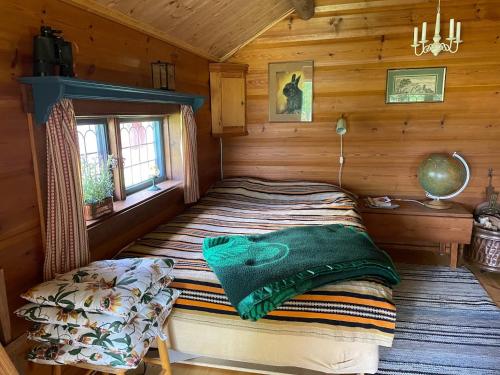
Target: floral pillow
<point x="113" y="287"/>
<point x="53" y="354"/>
<point x="146" y="325"/>
<point x="78" y="318"/>
<point x="81" y="318"/>
<point x="108" y="270"/>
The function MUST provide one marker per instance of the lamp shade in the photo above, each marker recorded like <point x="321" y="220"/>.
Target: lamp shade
<point x="341" y="126"/>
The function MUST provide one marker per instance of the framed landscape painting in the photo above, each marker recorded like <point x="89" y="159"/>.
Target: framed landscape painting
<point x="291" y="91"/>
<point x="417" y="85"/>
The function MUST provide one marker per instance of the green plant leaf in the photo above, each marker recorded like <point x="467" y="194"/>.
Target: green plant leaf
<point x="126" y="281"/>
<point x="97" y="181"/>
<point x="75" y="351"/>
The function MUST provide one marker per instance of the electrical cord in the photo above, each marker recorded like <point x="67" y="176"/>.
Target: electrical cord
<point x="341" y="159"/>
<point x="407" y="200"/>
<point x="221" y="159"/>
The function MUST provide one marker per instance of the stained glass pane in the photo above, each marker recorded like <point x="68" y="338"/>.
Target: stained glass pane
<point x="140" y="142"/>
<point x="124" y="138"/>
<point x="151" y="152"/>
<point x="149" y="135"/>
<point x="126" y="157"/>
<point x="92" y="142"/>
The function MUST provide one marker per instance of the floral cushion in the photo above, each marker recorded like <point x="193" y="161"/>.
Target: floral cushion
<point x="113" y="287"/>
<point x="53" y="354"/>
<point x="81" y="318"/>
<point x="108" y="270"/>
<point x="145" y="326"/>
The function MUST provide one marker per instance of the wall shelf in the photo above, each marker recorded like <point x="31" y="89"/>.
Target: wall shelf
<point x="50" y="89"/>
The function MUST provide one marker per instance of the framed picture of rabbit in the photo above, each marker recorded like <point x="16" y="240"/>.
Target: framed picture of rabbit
<point x="291" y="91"/>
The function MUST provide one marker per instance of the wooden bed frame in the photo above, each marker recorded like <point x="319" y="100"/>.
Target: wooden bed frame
<point x="232" y="366"/>
<point x="164" y="361"/>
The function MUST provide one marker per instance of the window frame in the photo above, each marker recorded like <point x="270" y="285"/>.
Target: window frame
<point x="159" y="145"/>
<point x="103" y="141"/>
<point x="110" y="143"/>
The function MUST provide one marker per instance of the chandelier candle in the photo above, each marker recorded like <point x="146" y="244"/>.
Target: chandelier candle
<point x="438" y="24"/>
<point x="424" y="32"/>
<point x="436" y="47"/>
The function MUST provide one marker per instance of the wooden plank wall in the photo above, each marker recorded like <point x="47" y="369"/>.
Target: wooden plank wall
<point x="353" y="43"/>
<point x="106" y="51"/>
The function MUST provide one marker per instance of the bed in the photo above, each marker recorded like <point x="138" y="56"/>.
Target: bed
<point x="333" y="329"/>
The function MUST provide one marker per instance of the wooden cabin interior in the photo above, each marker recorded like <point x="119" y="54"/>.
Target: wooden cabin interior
<point x="249" y="120"/>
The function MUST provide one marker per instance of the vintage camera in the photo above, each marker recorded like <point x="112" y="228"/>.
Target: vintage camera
<point x="52" y="55"/>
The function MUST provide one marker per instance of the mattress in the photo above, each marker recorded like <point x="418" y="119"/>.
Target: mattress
<point x="268" y="350"/>
<point x="329" y="327"/>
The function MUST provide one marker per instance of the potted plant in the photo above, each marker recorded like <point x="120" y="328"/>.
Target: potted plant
<point x="97" y="183"/>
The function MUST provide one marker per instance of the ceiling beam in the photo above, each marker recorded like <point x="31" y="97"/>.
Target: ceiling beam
<point x="304" y="8"/>
<point x="349" y="6"/>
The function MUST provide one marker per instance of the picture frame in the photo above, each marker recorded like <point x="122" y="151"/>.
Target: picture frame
<point x="163" y="75"/>
<point x="415" y="85"/>
<point x="291" y="91"/>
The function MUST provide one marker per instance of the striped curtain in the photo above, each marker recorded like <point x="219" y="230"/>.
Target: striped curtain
<point x="67" y="244"/>
<point x="190" y="155"/>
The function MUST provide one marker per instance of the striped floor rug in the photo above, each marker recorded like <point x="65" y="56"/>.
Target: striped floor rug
<point x="446" y="324"/>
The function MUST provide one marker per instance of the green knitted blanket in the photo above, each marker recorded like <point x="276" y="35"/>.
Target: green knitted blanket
<point x="260" y="272"/>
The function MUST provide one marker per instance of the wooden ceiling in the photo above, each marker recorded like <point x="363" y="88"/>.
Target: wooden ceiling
<point x="214" y="29"/>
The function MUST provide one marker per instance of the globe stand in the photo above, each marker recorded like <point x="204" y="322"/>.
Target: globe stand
<point x="437" y="204"/>
<point x="437" y="162"/>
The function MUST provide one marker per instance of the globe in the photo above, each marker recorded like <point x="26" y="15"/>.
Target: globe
<point x="443" y="176"/>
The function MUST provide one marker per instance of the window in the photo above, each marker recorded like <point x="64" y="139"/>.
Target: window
<point x="93" y="142"/>
<point x="141" y="150"/>
<point x="137" y="145"/>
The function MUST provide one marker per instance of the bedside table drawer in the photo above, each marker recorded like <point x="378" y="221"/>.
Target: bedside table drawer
<point x="399" y="228"/>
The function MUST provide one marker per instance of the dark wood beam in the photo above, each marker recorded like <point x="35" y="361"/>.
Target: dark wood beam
<point x="304" y="8"/>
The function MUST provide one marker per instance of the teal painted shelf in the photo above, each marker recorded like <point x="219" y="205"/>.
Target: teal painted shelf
<point x="50" y="89"/>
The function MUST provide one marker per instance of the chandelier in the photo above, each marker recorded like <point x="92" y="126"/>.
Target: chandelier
<point x="437" y="47"/>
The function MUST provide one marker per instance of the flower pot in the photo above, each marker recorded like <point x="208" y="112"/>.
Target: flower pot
<point x="96" y="210"/>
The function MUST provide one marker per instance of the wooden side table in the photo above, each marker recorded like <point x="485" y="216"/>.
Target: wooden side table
<point x="414" y="223"/>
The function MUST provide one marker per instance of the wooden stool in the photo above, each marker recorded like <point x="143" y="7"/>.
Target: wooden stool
<point x="6" y="365"/>
<point x="163" y="361"/>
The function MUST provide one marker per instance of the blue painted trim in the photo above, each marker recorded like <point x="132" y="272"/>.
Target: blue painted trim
<point x="160" y="150"/>
<point x="49" y="90"/>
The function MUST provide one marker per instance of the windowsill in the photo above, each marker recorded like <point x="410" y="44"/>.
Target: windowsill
<point x="134" y="200"/>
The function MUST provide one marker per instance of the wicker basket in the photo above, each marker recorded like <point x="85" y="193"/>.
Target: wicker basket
<point x="484" y="250"/>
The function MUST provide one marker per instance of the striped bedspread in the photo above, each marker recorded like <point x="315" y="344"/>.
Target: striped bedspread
<point x="355" y="311"/>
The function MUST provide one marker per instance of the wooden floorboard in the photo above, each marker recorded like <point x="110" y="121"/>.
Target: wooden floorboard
<point x="491" y="282"/>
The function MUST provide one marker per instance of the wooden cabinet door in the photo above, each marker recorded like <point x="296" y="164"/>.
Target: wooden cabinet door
<point x="233" y="100"/>
<point x="228" y="99"/>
